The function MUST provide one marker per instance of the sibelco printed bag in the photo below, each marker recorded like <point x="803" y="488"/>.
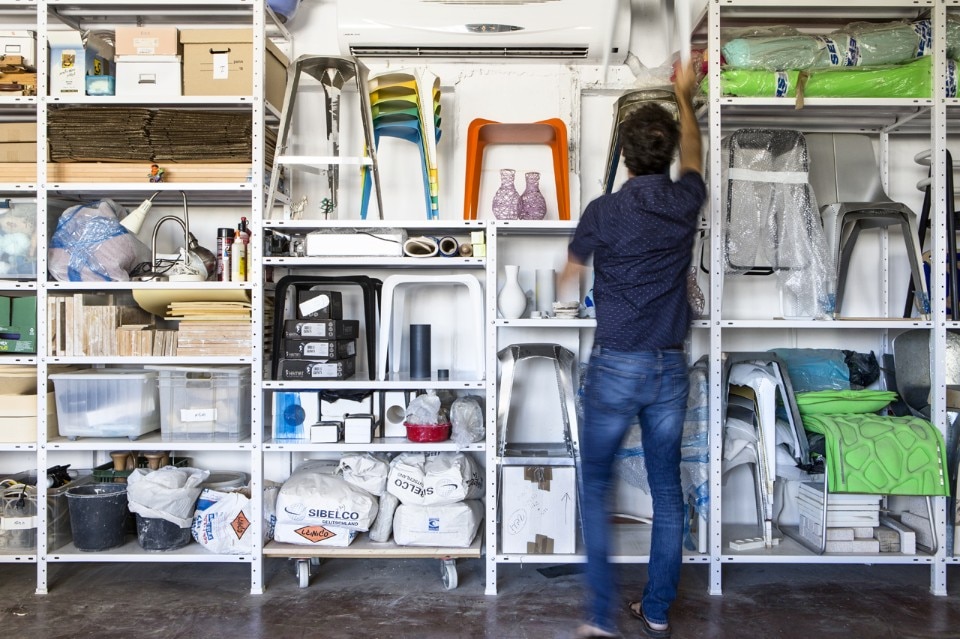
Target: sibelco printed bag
<point x="442" y="478"/>
<point x="312" y="507"/>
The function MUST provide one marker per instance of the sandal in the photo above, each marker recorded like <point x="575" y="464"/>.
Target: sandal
<point x="636" y="609"/>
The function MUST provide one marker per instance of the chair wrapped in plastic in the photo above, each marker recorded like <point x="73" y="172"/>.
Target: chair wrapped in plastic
<point x="771" y="221"/>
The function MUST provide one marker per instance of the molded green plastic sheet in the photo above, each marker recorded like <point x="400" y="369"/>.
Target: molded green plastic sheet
<point x="911" y="80"/>
<point x="877" y="454"/>
<point x="839" y="402"/>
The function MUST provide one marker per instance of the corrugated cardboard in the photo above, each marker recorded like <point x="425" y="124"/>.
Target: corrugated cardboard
<point x="18" y="132"/>
<point x="539" y="510"/>
<point x="130" y="40"/>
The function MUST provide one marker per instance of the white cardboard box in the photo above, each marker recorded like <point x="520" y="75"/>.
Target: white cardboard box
<point x="72" y="60"/>
<point x="22" y="43"/>
<point x="352" y="244"/>
<point x="148" y="75"/>
<point x="539" y="513"/>
<point x="294" y="413"/>
<point x="358" y="428"/>
<point x="18" y="424"/>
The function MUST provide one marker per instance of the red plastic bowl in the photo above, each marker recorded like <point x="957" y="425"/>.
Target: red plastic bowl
<point x="427" y="432"/>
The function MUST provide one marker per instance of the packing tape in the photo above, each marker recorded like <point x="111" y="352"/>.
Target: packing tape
<point x="448" y="246"/>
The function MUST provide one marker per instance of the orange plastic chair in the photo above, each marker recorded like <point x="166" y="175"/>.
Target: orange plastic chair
<point x="480" y="133"/>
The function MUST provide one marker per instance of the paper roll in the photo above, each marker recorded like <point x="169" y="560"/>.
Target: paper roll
<point x="422" y="246"/>
<point x="448" y="246"/>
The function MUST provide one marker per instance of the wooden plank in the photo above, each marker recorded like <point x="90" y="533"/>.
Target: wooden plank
<point x="18" y="172"/>
<point x="362" y="547"/>
<point x="140" y="171"/>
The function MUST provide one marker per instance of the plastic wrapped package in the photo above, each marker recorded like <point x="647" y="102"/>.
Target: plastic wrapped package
<point x="466" y="419"/>
<point x="815" y="369"/>
<point x="90" y="245"/>
<point x="771" y="219"/>
<point x="694" y="449"/>
<point x="953" y="36"/>
<point x="911" y="80"/>
<point x="857" y="44"/>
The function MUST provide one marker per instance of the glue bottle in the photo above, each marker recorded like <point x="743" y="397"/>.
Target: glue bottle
<point x="238" y="259"/>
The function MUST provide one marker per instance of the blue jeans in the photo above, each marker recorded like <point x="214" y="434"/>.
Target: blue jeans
<point x="650" y="385"/>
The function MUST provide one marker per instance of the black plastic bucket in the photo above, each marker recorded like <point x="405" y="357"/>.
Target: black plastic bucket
<point x="160" y="534"/>
<point x="98" y="513"/>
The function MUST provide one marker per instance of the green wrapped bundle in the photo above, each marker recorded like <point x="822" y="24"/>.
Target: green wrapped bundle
<point x="859" y="44"/>
<point x="912" y="80"/>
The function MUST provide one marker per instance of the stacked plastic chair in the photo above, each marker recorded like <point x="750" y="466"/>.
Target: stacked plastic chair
<point x="625" y="105"/>
<point x="406" y="105"/>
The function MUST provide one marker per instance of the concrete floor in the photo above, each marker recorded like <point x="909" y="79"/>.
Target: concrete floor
<point x="390" y="599"/>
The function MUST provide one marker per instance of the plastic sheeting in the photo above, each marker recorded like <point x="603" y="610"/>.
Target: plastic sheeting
<point x="858" y="44"/>
<point x="911" y="80"/>
<point x="771" y="220"/>
<point x="694" y="451"/>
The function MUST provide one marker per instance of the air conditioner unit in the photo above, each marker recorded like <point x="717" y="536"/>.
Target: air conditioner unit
<point x="589" y="31"/>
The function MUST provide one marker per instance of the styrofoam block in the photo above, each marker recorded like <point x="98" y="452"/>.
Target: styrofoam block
<point x="863" y="532"/>
<point x="841" y="534"/>
<point x="908" y="538"/>
<point x="921" y="526"/>
<point x="394" y="413"/>
<point x="752" y="543"/>
<point x="888" y="537"/>
<point x="857" y="545"/>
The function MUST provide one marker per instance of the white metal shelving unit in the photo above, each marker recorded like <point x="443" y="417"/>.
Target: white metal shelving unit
<point x="247" y="196"/>
<point x="881" y="118"/>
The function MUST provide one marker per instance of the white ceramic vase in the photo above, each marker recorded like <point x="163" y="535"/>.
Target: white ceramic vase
<point x="511" y="301"/>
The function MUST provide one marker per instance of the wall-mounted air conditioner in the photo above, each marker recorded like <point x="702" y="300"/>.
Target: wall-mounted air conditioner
<point x="590" y="31"/>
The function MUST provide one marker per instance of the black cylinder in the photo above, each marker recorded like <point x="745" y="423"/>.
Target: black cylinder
<point x="419" y="351"/>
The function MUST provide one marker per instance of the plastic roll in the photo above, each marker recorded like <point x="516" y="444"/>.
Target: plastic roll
<point x="448" y="246"/>
<point x="420" y="351"/>
<point x="422" y="246"/>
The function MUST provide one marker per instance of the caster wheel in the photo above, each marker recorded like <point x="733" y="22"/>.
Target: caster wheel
<point x="303" y="572"/>
<point x="448" y="573"/>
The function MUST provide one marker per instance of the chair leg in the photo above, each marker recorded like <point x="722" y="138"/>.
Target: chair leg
<point x="911" y="240"/>
<point x="843" y="264"/>
<point x="471" y="186"/>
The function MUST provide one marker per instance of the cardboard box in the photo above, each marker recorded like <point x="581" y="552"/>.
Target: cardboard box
<point x="323" y="329"/>
<point x="539" y="512"/>
<point x="319" y="349"/>
<point x="358" y="428"/>
<point x="329" y="432"/>
<point x="220" y="62"/>
<point x="18" y="423"/>
<point x="294" y="413"/>
<point x="18" y="132"/>
<point x="311" y="369"/>
<point x="72" y="59"/>
<point x="315" y="304"/>
<point x="337" y="410"/>
<point x="148" y="75"/>
<point x="20" y="43"/>
<point x="18" y="324"/>
<point x="18" y="151"/>
<point x="139" y="41"/>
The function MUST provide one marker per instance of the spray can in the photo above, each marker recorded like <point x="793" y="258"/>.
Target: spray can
<point x="224" y="242"/>
<point x="238" y="259"/>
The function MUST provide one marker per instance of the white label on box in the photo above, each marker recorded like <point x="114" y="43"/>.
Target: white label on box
<point x="12" y="49"/>
<point x="317" y="349"/>
<point x="221" y="66"/>
<point x="198" y="415"/>
<point x="315" y="304"/>
<point x="313" y="330"/>
<point x="146" y="46"/>
<point x="18" y="523"/>
<point x="323" y="370"/>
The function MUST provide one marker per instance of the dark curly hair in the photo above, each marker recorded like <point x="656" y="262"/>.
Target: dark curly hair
<point x="650" y="135"/>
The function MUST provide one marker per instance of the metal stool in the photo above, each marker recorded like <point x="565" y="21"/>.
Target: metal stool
<point x="333" y="73"/>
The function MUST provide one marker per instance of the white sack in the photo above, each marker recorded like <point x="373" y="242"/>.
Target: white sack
<point x="168" y="493"/>
<point x="383" y="526"/>
<point x="442" y="478"/>
<point x="365" y="471"/>
<point x="451" y="525"/>
<point x="222" y="521"/>
<point x="309" y="498"/>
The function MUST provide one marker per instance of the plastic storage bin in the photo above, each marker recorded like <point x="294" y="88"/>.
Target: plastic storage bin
<point x="18" y="232"/>
<point x="204" y="403"/>
<point x="107" y="402"/>
<point x="23" y="536"/>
